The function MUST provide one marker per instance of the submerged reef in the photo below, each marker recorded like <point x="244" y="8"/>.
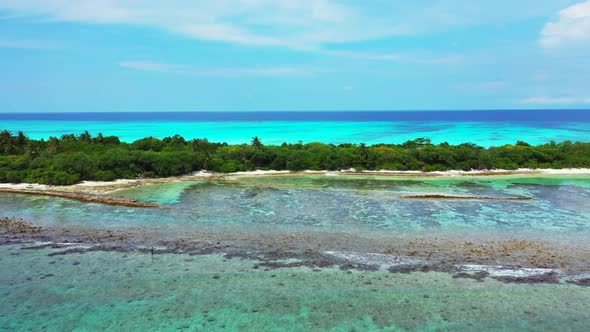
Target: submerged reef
<point x="509" y="260"/>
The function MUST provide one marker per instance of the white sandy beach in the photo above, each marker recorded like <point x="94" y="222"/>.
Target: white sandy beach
<point x="111" y="186"/>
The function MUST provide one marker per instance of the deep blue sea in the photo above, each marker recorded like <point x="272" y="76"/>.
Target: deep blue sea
<point x="486" y="128"/>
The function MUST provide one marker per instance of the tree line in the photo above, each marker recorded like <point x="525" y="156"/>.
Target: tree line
<point x="73" y="158"/>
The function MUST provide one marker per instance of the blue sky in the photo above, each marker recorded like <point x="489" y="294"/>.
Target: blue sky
<point x="234" y="55"/>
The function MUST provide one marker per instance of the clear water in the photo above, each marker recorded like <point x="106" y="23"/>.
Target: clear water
<point x="134" y="291"/>
<point x="485" y="128"/>
<point x="559" y="204"/>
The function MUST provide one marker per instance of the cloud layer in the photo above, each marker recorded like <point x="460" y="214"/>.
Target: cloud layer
<point x="556" y="100"/>
<point x="224" y="72"/>
<point x="571" y="27"/>
<point x="305" y="24"/>
<point x="294" y="24"/>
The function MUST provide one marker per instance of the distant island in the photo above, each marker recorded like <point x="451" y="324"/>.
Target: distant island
<point x="74" y="158"/>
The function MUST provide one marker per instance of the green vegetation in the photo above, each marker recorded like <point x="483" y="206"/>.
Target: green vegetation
<point x="72" y="158"/>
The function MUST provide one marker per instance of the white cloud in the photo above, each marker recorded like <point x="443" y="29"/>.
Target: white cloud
<point x="571" y="26"/>
<point x="188" y="70"/>
<point x="556" y="100"/>
<point x="287" y="23"/>
<point x="296" y="24"/>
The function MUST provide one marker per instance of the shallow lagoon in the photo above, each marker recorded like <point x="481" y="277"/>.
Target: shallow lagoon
<point x="559" y="204"/>
<point x="130" y="289"/>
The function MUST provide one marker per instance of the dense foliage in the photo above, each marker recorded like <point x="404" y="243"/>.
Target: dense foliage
<point x="72" y="158"/>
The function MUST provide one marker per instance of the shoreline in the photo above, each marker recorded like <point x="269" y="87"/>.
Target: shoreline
<point x="394" y="173"/>
<point x="107" y="187"/>
<point x="100" y="192"/>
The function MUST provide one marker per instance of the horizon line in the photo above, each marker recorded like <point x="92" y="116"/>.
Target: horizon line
<point x="312" y="111"/>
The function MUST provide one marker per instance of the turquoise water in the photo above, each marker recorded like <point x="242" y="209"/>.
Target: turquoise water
<point x="559" y="204"/>
<point x="277" y="132"/>
<point x="135" y="292"/>
<point x="259" y="221"/>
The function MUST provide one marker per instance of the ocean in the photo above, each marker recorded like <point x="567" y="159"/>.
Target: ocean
<point x="485" y="128"/>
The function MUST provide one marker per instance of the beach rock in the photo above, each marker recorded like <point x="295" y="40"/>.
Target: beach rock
<point x="84" y="197"/>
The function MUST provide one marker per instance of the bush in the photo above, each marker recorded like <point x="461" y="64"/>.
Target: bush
<point x="74" y="158"/>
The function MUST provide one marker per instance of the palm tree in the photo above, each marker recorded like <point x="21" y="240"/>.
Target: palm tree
<point x="203" y="146"/>
<point x="53" y="145"/>
<point x="21" y="138"/>
<point x="5" y="137"/>
<point x="85" y="137"/>
<point x="363" y="151"/>
<point x="99" y="139"/>
<point x="256" y="143"/>
<point x="7" y="145"/>
<point x="67" y="138"/>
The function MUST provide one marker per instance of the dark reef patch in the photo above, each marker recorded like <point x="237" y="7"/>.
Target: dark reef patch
<point x="424" y="268"/>
<point x="271" y="250"/>
<point x="580" y="282"/>
<point x="479" y="276"/>
<point x="547" y="278"/>
<point x="466" y="198"/>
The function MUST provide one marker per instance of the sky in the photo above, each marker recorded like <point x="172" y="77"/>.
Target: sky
<point x="287" y="55"/>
